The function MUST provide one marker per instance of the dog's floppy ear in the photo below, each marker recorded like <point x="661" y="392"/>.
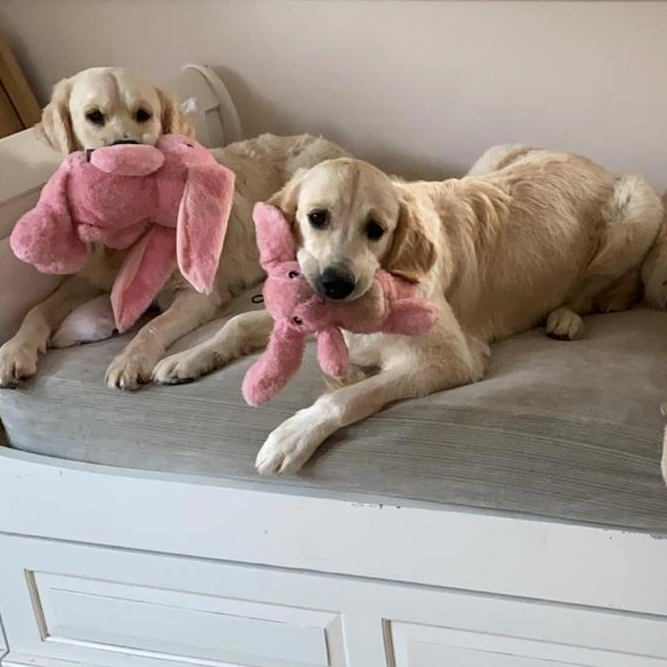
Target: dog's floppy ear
<point x="172" y="117"/>
<point x="55" y="128"/>
<point x="412" y="253"/>
<point x="287" y="199"/>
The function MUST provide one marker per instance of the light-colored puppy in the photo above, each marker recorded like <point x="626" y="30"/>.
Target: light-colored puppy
<point x="103" y="106"/>
<point x="535" y="237"/>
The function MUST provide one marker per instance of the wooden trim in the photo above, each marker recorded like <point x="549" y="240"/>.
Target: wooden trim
<point x="16" y="86"/>
<point x="9" y="118"/>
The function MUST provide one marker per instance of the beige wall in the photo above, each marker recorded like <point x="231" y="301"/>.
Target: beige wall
<point x="421" y="88"/>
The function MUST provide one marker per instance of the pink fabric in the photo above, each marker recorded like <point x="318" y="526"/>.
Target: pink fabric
<point x="170" y="203"/>
<point x="388" y="306"/>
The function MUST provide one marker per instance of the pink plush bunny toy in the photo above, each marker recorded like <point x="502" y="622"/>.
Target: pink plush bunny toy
<point x="168" y="203"/>
<point x="388" y="306"/>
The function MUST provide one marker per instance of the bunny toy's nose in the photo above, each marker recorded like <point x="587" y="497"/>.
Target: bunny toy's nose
<point x="127" y="159"/>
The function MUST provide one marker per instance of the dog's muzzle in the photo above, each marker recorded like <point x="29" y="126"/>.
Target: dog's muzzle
<point x="335" y="283"/>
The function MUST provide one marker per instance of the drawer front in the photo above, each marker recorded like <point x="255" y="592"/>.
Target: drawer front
<point x="422" y="654"/>
<point x="414" y="645"/>
<point x="172" y="622"/>
<point x="99" y="606"/>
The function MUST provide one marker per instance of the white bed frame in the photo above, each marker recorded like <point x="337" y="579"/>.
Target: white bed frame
<point x="112" y="567"/>
<point x="104" y="566"/>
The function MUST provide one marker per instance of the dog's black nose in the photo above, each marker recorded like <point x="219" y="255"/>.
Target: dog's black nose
<point x="118" y="142"/>
<point x="335" y="283"/>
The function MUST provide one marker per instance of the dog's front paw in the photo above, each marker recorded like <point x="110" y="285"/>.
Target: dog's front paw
<point x="563" y="324"/>
<point x="287" y="448"/>
<point x="129" y="370"/>
<point x="185" y="366"/>
<point x="17" y="362"/>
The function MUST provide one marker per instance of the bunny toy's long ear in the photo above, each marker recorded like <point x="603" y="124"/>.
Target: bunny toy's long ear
<point x="274" y="236"/>
<point x="46" y="237"/>
<point x="202" y="222"/>
<point x="145" y="270"/>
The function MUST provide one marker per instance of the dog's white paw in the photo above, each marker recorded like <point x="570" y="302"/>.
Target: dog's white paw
<point x="17" y="362"/>
<point x="563" y="324"/>
<point x="67" y="337"/>
<point x="129" y="370"/>
<point x="87" y="324"/>
<point x="287" y="448"/>
<point x="185" y="366"/>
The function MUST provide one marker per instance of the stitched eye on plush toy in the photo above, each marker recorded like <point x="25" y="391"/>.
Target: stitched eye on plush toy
<point x="95" y="116"/>
<point x="293" y="274"/>
<point x="374" y="230"/>
<point x="319" y="218"/>
<point x="142" y="115"/>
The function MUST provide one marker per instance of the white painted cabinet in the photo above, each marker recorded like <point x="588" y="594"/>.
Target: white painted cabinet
<point x="114" y="607"/>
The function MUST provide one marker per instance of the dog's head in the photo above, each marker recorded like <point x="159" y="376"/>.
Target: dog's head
<point x="107" y="105"/>
<point x="349" y="219"/>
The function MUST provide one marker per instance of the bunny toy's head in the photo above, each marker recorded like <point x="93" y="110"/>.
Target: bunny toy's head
<point x="169" y="204"/>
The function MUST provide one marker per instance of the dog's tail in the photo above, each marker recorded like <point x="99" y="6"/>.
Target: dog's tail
<point x="654" y="269"/>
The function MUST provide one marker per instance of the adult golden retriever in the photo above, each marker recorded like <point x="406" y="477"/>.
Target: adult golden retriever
<point x="530" y="236"/>
<point x="107" y="105"/>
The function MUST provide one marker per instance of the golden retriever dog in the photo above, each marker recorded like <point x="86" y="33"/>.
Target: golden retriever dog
<point x="533" y="237"/>
<point x="104" y="106"/>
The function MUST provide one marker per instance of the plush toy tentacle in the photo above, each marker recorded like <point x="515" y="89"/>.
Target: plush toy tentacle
<point x="332" y="352"/>
<point x="276" y="367"/>
<point x="46" y="237"/>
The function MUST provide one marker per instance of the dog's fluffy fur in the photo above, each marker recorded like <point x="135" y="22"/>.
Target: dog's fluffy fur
<point x="262" y="166"/>
<point x="530" y="237"/>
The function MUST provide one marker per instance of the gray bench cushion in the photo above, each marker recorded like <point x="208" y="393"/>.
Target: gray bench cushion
<point x="570" y="430"/>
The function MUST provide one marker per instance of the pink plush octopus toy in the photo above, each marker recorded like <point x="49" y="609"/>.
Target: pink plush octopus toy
<point x="168" y="204"/>
<point x="389" y="306"/>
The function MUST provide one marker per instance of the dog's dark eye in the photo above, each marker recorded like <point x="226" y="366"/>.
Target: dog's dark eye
<point x="319" y="218"/>
<point x="374" y="230"/>
<point x="142" y="115"/>
<point x="95" y="116"/>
